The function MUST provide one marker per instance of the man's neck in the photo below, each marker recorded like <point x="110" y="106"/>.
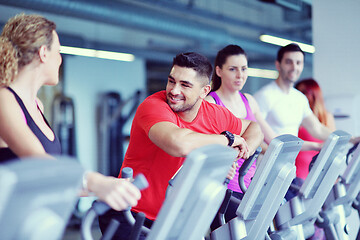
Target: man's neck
<point x="285" y="86"/>
<point x="190" y="115"/>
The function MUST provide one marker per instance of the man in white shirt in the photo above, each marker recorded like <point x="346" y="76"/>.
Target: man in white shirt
<point x="284" y="107"/>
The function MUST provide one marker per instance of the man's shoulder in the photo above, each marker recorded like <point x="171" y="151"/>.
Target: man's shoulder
<point x="212" y="109"/>
<point x="161" y="95"/>
<point x="299" y="97"/>
<point x="154" y="105"/>
<point x="155" y="98"/>
<point x="211" y="106"/>
<point x="219" y="118"/>
<point x="296" y="93"/>
<point x="154" y="109"/>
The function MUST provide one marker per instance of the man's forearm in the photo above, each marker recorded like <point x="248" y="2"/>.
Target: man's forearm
<point x="179" y="142"/>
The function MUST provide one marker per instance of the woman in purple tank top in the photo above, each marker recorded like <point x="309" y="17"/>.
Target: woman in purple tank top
<point x="30" y="58"/>
<point x="229" y="77"/>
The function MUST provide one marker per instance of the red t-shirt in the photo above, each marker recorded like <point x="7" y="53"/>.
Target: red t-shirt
<point x="143" y="156"/>
<point x="304" y="158"/>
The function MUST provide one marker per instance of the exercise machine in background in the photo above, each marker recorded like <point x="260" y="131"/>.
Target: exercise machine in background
<point x="266" y="192"/>
<point x="63" y="123"/>
<point x="295" y="219"/>
<point x="110" y="130"/>
<point x="338" y="207"/>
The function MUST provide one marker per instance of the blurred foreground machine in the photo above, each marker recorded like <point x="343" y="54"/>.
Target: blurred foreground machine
<point x="37" y="197"/>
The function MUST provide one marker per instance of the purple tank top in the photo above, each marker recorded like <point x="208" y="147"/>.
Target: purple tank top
<point x="234" y="184"/>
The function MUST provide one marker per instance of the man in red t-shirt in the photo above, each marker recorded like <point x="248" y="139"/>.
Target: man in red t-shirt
<point x="170" y="124"/>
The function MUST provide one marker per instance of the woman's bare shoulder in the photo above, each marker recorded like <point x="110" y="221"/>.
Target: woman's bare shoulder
<point x="6" y="96"/>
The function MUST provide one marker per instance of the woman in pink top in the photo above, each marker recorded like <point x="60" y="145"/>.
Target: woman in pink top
<point x="228" y="79"/>
<point x="311" y="89"/>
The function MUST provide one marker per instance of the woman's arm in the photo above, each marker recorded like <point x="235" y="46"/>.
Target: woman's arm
<point x="312" y="124"/>
<point x="330" y="123"/>
<point x="268" y="132"/>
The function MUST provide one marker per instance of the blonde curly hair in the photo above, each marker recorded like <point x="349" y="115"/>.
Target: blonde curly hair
<point x="8" y="62"/>
<point x="21" y="39"/>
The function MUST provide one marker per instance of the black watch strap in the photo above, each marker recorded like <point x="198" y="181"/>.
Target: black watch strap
<point x="229" y="136"/>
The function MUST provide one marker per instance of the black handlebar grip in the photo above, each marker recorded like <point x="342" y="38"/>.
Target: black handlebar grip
<point x="244" y="168"/>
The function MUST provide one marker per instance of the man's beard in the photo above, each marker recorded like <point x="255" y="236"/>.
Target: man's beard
<point x="181" y="108"/>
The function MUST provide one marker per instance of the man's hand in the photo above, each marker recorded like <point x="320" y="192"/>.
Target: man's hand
<point x="241" y="145"/>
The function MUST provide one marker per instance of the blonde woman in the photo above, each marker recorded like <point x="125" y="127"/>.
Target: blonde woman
<point x="30" y="58"/>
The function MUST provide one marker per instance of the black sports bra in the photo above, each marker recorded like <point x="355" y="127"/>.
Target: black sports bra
<point x="51" y="147"/>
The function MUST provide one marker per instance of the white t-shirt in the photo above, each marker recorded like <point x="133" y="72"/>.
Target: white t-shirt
<point x="284" y="112"/>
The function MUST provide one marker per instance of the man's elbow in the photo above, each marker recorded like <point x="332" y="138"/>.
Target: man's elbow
<point x="179" y="151"/>
<point x="179" y="148"/>
<point x="256" y="131"/>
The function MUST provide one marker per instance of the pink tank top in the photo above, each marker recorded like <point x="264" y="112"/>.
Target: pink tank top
<point x="234" y="184"/>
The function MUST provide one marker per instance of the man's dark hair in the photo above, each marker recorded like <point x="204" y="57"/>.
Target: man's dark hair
<point x="292" y="47"/>
<point x="196" y="61"/>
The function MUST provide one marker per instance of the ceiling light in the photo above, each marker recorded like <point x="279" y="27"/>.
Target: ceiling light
<point x="282" y="42"/>
<point x="97" y="53"/>
<point x="262" y="73"/>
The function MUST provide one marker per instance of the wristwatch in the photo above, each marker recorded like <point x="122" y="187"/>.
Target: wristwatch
<point x="229" y="136"/>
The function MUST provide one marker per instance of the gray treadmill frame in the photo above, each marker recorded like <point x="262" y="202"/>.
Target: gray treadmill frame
<point x="266" y="192"/>
<point x="297" y="216"/>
